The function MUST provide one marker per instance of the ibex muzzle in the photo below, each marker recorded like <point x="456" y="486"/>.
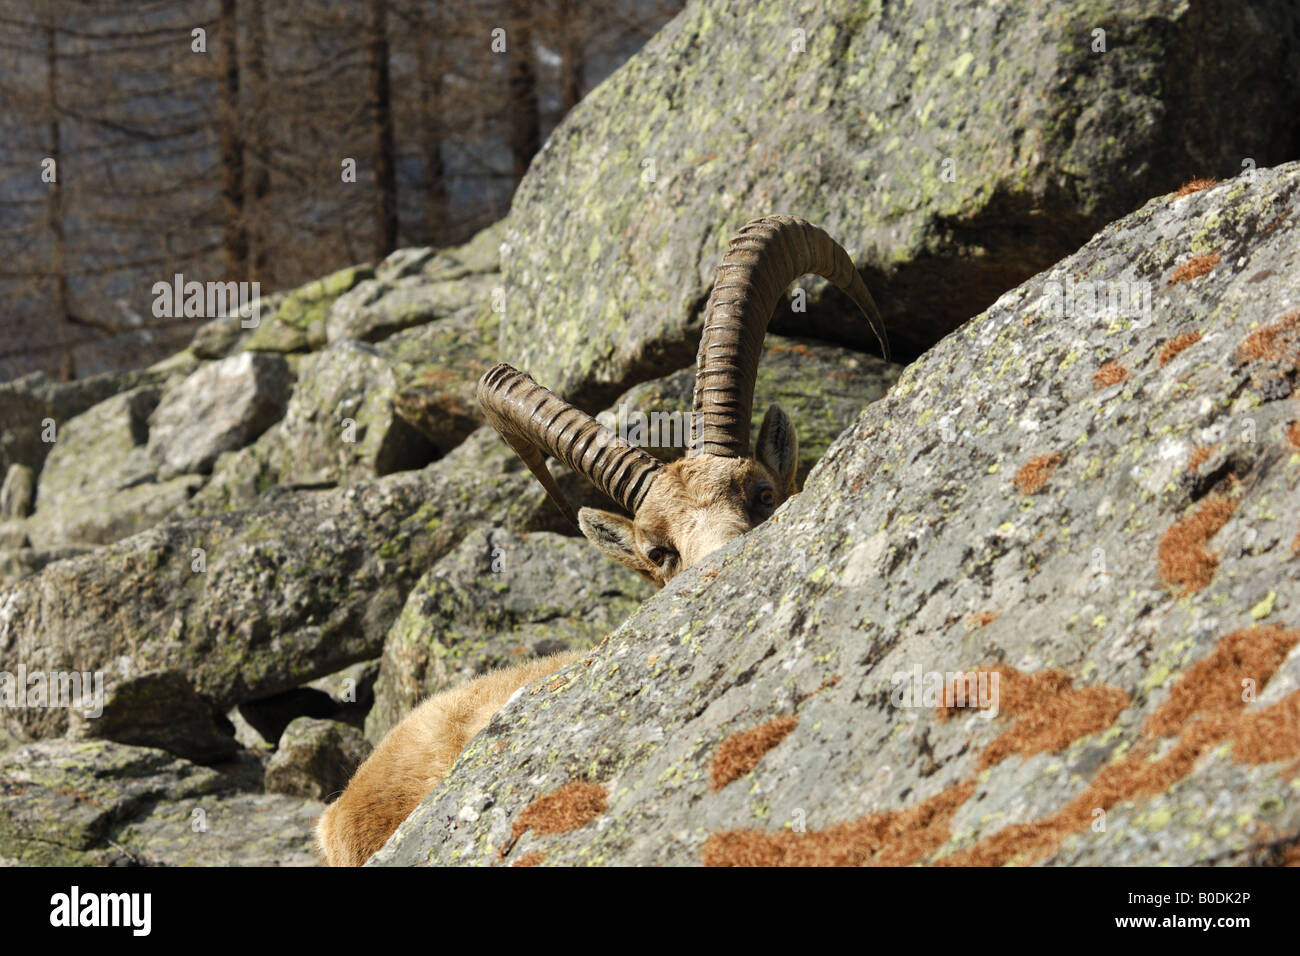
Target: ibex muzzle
<point x="685" y="510"/>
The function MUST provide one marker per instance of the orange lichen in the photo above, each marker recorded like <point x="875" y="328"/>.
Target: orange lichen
<point x="1214" y="683"/>
<point x="1270" y="734"/>
<point x="1049" y="711"/>
<point x="1178" y="344"/>
<point x="1195" y="267"/>
<point x="1205" y="708"/>
<point x="574" y="805"/>
<point x="890" y="838"/>
<point x="1194" y="186"/>
<point x="531" y="859"/>
<point x="1034" y="473"/>
<point x="982" y="619"/>
<point x="1112" y="373"/>
<point x="741" y="752"/>
<point x="1293" y="435"/>
<point x="1200" y="455"/>
<point x="1278" y="342"/>
<point x="1051" y="715"/>
<point x="824" y="685"/>
<point x="798" y="348"/>
<point x="1182" y="557"/>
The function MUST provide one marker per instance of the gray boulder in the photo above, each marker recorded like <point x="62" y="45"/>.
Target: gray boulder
<point x="27" y="403"/>
<point x="1093" y="502"/>
<point x="315" y="758"/>
<point x="953" y="149"/>
<point x="222" y="406"/>
<point x="339" y="427"/>
<point x="98" y="483"/>
<point x="249" y="604"/>
<point x="97" y="803"/>
<point x="377" y="308"/>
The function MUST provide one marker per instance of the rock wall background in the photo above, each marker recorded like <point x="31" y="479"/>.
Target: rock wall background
<point x="272" y="545"/>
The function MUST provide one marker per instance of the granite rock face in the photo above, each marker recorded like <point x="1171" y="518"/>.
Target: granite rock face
<point x="953" y="148"/>
<point x="222" y="406"/>
<point x="497" y="599"/>
<point x="96" y="803"/>
<point x="1091" y="505"/>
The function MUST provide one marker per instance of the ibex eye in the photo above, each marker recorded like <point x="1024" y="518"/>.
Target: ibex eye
<point x="656" y="555"/>
<point x="767" y="496"/>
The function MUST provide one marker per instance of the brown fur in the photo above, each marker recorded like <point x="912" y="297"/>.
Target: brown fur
<point x="696" y="505"/>
<point x="413" y="757"/>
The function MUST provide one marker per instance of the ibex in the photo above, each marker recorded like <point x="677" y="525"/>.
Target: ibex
<point x="691" y="507"/>
<point x="681" y="511"/>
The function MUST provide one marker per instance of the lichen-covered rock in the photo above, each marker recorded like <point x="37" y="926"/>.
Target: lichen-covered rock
<point x="18" y="560"/>
<point x="152" y="709"/>
<point x="376" y="308"/>
<point x="222" y="406"/>
<point x="110" y="516"/>
<point x="1091" y="502"/>
<point x="250" y="604"/>
<point x="31" y="404"/>
<point x="315" y="758"/>
<point x="953" y="148"/>
<point x="339" y="427"/>
<point x="18" y="493"/>
<point x="298" y="322"/>
<point x="498" y="598"/>
<point x="228" y="334"/>
<point x="98" y="803"/>
<point x="438" y="367"/>
<point x="98" y="483"/>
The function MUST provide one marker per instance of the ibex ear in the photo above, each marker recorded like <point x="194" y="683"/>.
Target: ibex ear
<point x="613" y="537"/>
<point x="778" y="446"/>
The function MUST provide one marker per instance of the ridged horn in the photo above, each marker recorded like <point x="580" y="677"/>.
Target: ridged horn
<point x="533" y="420"/>
<point x="764" y="257"/>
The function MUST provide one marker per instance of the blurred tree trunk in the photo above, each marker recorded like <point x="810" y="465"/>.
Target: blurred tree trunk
<point x="381" y="118"/>
<point x="256" y="123"/>
<point x="431" y="112"/>
<point x="525" y="123"/>
<point x="59" y="267"/>
<point x="235" y="241"/>
<point x="572" y="54"/>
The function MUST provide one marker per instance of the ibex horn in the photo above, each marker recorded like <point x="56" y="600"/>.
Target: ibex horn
<point x="761" y="262"/>
<point x="533" y="420"/>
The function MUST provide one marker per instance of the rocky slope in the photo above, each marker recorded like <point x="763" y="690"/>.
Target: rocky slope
<point x="955" y="148"/>
<point x="1099" y="508"/>
<point x="269" y="547"/>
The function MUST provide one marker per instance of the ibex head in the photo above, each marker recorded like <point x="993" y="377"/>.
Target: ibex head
<point x="684" y="510"/>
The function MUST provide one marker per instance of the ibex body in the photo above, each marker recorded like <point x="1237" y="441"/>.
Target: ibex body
<point x="413" y="757"/>
<point x="681" y="511"/>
